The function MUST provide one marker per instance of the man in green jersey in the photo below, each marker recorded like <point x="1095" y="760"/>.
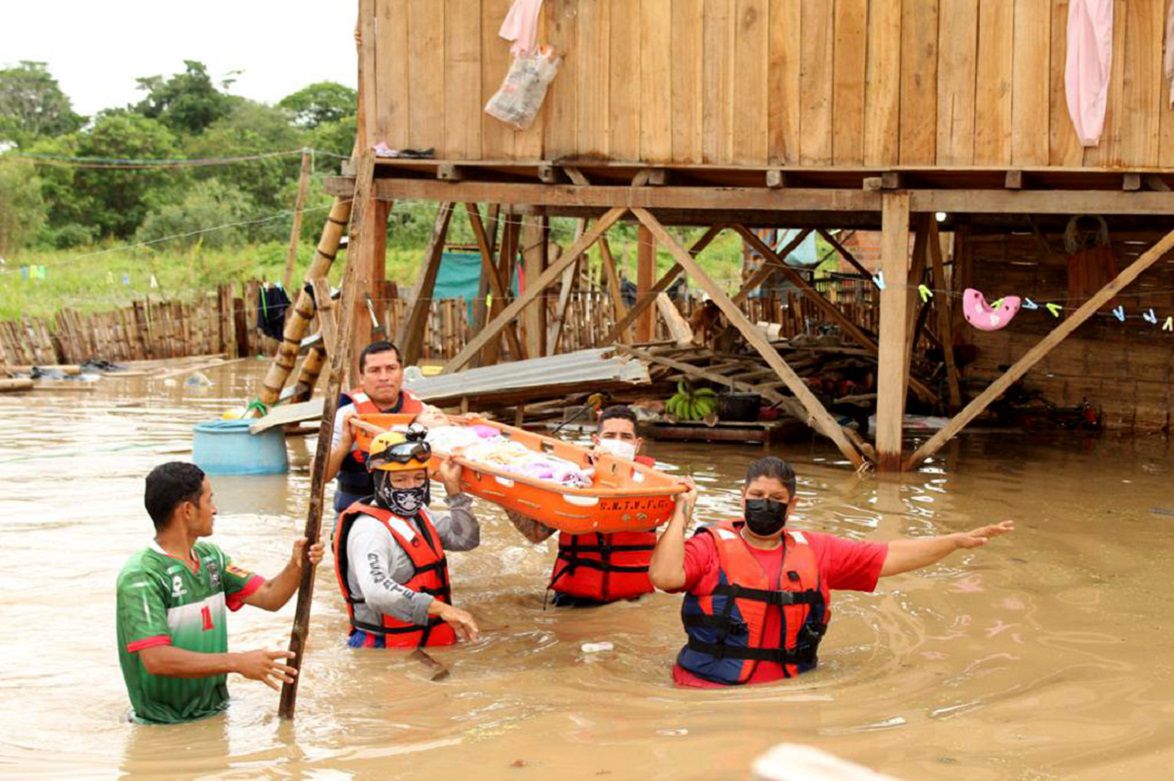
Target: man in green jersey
<point x="172" y="595"/>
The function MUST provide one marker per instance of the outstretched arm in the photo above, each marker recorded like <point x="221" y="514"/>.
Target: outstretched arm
<point x="273" y="594"/>
<point x="908" y="555"/>
<point x="667" y="569"/>
<point x="266" y="666"/>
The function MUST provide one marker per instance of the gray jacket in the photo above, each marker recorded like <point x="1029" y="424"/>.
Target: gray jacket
<point x="379" y="567"/>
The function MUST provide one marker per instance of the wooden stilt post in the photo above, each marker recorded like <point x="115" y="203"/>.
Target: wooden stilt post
<point x="614" y="289"/>
<point x="297" y="317"/>
<point x="552" y="272"/>
<point x="567" y="285"/>
<point x="1045" y="345"/>
<point x="371" y="271"/>
<point x="942" y="305"/>
<point x="338" y="366"/>
<point x="894" y="306"/>
<point x="817" y="415"/>
<point x="489" y="275"/>
<point x="645" y="274"/>
<point x="411" y="337"/>
<point x="661" y="285"/>
<point x="535" y="239"/>
<point x="295" y="233"/>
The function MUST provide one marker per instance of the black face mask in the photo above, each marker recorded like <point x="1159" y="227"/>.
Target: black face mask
<point x="765" y="517"/>
<point x="404" y="502"/>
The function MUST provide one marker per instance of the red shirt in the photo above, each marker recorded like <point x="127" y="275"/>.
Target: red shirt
<point x="843" y="564"/>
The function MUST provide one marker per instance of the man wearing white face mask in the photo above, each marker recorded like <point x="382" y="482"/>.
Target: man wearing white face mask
<point x="595" y="569"/>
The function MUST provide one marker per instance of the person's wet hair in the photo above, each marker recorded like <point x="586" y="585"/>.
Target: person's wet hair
<point x="772" y="467"/>
<point x="382" y="346"/>
<point x="618" y="412"/>
<point x="170" y="485"/>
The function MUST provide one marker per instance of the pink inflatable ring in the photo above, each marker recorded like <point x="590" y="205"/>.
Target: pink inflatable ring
<point x="982" y="315"/>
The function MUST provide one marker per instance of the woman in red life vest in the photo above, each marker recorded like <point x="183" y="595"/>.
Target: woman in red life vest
<point x="595" y="569"/>
<point x="381" y="389"/>
<point x="757" y="595"/>
<point x="389" y="551"/>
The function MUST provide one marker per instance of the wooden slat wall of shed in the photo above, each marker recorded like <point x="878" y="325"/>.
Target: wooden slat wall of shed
<point x="919" y="78"/>
<point x="919" y="82"/>
<point x="782" y="113"/>
<point x="1064" y="146"/>
<point x="957" y="51"/>
<point x="562" y="125"/>
<point x="882" y="93"/>
<point x="656" y="82"/>
<point x="751" y="30"/>
<point x="391" y="77"/>
<point x="850" y="30"/>
<point x="462" y="80"/>
<point x="1030" y="83"/>
<point x="686" y="79"/>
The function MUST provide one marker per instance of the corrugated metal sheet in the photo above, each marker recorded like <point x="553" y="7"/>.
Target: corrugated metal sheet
<point x="584" y="366"/>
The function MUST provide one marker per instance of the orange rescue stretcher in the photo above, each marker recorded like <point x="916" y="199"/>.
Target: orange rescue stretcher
<point x="624" y="495"/>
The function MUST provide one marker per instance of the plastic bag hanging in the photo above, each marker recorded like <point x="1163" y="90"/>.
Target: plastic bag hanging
<point x="521" y="93"/>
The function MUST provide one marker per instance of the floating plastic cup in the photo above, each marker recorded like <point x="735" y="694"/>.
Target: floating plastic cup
<point x="225" y="447"/>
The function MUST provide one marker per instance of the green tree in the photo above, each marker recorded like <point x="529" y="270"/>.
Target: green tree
<point x="32" y="105"/>
<point x="320" y="103"/>
<point x="22" y="210"/>
<point x="251" y="129"/>
<point x="115" y="200"/>
<point x="186" y="102"/>
<point x="207" y="204"/>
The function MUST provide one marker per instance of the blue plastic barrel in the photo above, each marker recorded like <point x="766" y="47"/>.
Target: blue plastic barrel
<point x="225" y="447"/>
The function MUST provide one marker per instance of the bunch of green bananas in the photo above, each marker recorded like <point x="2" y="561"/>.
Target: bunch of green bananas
<point x="690" y="404"/>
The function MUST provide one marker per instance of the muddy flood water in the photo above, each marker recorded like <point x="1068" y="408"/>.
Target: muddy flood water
<point x="1047" y="654"/>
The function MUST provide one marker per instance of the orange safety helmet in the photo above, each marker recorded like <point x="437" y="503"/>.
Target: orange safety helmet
<point x="392" y="451"/>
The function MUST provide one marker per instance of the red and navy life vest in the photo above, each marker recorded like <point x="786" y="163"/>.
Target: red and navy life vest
<point x="604" y="567"/>
<point x="422" y="545"/>
<point x="726" y="627"/>
<point x="353" y="477"/>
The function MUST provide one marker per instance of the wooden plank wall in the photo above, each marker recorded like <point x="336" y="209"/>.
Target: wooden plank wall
<point x="760" y="82"/>
<point x="1123" y="368"/>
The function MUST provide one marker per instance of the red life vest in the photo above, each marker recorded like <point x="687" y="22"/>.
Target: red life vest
<point x="726" y="627"/>
<point x="353" y="478"/>
<point x="422" y="545"/>
<point x="604" y="567"/>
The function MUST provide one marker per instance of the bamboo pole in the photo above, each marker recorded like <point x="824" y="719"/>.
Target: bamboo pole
<point x="339" y="362"/>
<point x="298" y="317"/>
<point x="818" y="417"/>
<point x="1041" y="349"/>
<point x="308" y="375"/>
<point x="295" y="233"/>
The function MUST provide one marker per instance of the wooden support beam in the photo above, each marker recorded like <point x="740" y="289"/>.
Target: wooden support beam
<point x="371" y="271"/>
<point x="661" y="285"/>
<point x="411" y="337"/>
<point x="547" y="173"/>
<point x="1131" y="182"/>
<point x="767" y="268"/>
<point x="889" y="180"/>
<point x="339" y="361"/>
<point x="817" y="416"/>
<point x="1041" y="349"/>
<point x="679" y="329"/>
<point x="507" y="255"/>
<point x="295" y="232"/>
<point x="450" y="172"/>
<point x="535" y="238"/>
<point x="1013" y="180"/>
<point x="894" y="303"/>
<point x="942" y="303"/>
<point x="853" y="331"/>
<point x="776" y="179"/>
<point x="489" y="270"/>
<point x="917" y="266"/>
<point x="846" y="255"/>
<point x="645" y="274"/>
<point x="327" y="322"/>
<point x="567" y="286"/>
<point x="1157" y="183"/>
<point x="614" y="288"/>
<point x="533" y="291"/>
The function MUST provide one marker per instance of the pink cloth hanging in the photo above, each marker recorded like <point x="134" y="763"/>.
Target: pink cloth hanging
<point x="1086" y="72"/>
<point x="1168" y="61"/>
<point x="521" y="25"/>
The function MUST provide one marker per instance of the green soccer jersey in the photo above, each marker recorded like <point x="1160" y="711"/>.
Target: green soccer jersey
<point x="162" y="602"/>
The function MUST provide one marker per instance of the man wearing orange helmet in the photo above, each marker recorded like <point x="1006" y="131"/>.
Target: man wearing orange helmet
<point x="389" y="550"/>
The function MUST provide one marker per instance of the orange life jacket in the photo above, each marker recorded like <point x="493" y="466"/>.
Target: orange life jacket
<point x="352" y="472"/>
<point x="422" y="545"/>
<point x="604" y="567"/>
<point x="726" y="627"/>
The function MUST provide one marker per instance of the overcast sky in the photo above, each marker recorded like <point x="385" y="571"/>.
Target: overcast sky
<point x="97" y="49"/>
